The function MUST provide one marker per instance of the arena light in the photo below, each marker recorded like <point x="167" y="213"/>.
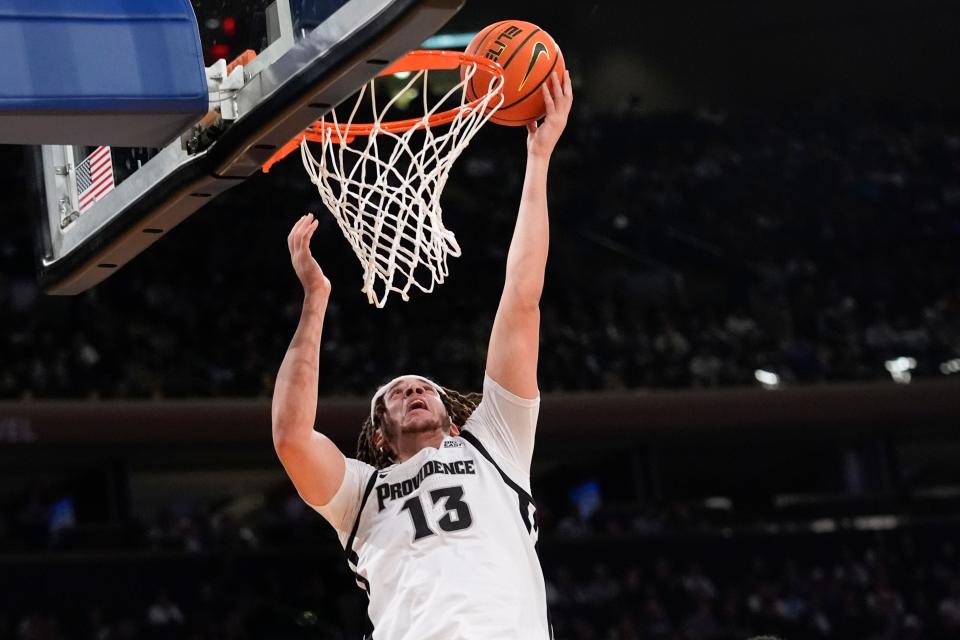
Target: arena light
<point x="880" y="522"/>
<point x="823" y="525"/>
<point x="950" y="367"/>
<point x="768" y="379"/>
<point x="448" y="41"/>
<point x="900" y="369"/>
<point x="718" y="503"/>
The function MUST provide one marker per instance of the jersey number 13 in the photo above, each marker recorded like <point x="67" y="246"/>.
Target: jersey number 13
<point x="456" y="518"/>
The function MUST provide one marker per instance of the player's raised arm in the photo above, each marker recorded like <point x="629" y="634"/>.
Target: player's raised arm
<point x="515" y="339"/>
<point x="313" y="462"/>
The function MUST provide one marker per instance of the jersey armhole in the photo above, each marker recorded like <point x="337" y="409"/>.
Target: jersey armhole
<point x="352" y="557"/>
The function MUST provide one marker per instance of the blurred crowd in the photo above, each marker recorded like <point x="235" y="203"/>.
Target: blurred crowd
<point x="274" y="571"/>
<point x="868" y="593"/>
<point x="815" y="243"/>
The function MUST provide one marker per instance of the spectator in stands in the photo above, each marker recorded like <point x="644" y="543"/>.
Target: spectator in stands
<point x="814" y="243"/>
<point x="164" y="612"/>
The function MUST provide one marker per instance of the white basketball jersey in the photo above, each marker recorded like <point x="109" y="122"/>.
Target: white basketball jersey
<point x="443" y="544"/>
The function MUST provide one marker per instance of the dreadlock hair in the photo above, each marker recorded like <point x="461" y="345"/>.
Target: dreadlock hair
<point x="459" y="407"/>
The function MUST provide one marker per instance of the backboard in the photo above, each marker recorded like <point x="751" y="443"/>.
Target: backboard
<point x="102" y="206"/>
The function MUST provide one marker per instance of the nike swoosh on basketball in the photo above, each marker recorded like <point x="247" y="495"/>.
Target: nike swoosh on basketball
<point x="538" y="48"/>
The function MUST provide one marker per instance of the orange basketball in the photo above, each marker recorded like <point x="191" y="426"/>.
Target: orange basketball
<point x="528" y="56"/>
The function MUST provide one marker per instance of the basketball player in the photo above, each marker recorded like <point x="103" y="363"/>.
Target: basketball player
<point x="435" y="513"/>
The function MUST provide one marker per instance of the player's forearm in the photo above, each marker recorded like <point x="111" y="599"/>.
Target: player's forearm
<point x="295" y="392"/>
<point x="527" y="258"/>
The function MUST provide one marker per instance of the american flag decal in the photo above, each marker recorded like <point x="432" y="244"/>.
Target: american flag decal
<point x="94" y="177"/>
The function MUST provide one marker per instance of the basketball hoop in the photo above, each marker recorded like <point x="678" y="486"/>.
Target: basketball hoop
<point x="382" y="180"/>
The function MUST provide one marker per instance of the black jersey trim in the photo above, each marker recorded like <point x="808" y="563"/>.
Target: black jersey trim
<point x="352" y="557"/>
<point x="524" y="499"/>
<point x="362" y="582"/>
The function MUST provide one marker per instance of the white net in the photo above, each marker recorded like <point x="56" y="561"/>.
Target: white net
<point x="384" y="190"/>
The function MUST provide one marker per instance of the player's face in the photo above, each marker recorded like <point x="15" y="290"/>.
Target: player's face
<point x="414" y="406"/>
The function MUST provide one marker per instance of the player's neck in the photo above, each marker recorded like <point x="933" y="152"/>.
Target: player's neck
<point x="415" y="443"/>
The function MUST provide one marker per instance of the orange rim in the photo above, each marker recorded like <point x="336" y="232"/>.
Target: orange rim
<point x="244" y="59"/>
<point x="413" y="61"/>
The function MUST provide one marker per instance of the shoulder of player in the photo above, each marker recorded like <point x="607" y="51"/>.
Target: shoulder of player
<point x="497" y="393"/>
<point x="487" y="449"/>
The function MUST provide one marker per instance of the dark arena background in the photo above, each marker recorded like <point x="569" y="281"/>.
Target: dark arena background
<point x="750" y="357"/>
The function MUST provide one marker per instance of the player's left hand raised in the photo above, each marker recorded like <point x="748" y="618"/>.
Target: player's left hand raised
<point x="558" y="97"/>
<point x="304" y="264"/>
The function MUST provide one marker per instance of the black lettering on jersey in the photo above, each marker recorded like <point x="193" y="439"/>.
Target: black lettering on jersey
<point x="383" y="492"/>
<point x="456" y="518"/>
<point x="397" y="490"/>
